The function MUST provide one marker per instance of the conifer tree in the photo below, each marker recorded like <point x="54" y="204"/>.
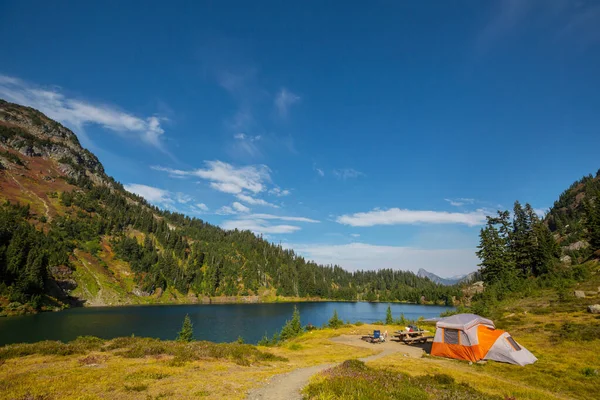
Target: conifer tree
<point x="292" y="328"/>
<point x="495" y="253"/>
<point x="389" y="320"/>
<point x="186" y="334"/>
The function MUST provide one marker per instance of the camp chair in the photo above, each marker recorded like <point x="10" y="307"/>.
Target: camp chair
<point x="376" y="336"/>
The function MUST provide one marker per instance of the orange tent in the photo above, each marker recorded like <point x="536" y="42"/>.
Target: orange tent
<point x="473" y="338"/>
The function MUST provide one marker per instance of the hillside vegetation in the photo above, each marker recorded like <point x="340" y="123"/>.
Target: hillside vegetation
<point x="70" y="234"/>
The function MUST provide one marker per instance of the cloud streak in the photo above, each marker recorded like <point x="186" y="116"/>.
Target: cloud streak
<point x="397" y="216"/>
<point x="459" y="202"/>
<point x="284" y="218"/>
<point x="78" y="113"/>
<point x="344" y="173"/>
<point x="226" y="177"/>
<point x="258" y="226"/>
<point x="284" y="100"/>
<point x="160" y="197"/>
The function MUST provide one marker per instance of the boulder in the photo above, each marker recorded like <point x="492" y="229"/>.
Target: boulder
<point x="594" y="308"/>
<point x="578" y="245"/>
<point x="566" y="260"/>
<point x="580" y="294"/>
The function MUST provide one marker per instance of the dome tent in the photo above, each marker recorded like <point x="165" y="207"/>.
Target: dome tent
<point x="471" y="337"/>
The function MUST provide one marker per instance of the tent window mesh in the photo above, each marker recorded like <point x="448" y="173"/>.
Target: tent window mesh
<point x="464" y="339"/>
<point x="514" y="344"/>
<point x="451" y="336"/>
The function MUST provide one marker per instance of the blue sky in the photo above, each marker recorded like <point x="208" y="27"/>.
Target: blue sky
<point x="369" y="136"/>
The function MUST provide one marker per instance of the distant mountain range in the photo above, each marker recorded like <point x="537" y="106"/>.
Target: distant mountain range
<point x="453" y="280"/>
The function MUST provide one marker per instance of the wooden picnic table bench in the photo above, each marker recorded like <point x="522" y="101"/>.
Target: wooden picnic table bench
<point x="410" y="337"/>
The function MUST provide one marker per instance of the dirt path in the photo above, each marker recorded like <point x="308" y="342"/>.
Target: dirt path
<point x="23" y="188"/>
<point x="288" y="386"/>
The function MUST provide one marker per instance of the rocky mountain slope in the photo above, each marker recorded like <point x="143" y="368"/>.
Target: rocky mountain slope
<point x="570" y="216"/>
<point x="70" y="234"/>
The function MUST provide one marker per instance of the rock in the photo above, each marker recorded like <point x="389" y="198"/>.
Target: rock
<point x="580" y="294"/>
<point x="566" y="260"/>
<point x="594" y="309"/>
<point x="591" y="293"/>
<point x="139" y="292"/>
<point x="578" y="245"/>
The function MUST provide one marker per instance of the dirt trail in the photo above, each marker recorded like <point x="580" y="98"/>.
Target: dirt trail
<point x="23" y="188"/>
<point x="288" y="386"/>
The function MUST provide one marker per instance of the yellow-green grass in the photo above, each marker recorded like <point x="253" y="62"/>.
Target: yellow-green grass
<point x="565" y="368"/>
<point x="146" y="370"/>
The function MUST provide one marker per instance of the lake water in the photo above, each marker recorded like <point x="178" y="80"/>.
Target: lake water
<point x="216" y="323"/>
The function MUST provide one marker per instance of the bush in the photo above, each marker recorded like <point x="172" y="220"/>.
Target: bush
<point x="587" y="371"/>
<point x="403" y="321"/>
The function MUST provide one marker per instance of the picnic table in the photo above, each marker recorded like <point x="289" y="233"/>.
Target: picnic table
<point x="410" y="337"/>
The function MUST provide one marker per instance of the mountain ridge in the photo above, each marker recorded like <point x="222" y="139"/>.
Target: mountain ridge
<point x="106" y="246"/>
<point x="453" y="280"/>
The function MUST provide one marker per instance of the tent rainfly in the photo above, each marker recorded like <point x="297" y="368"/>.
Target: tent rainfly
<point x="473" y="338"/>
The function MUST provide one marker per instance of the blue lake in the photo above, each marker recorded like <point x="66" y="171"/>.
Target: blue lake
<point x="217" y="323"/>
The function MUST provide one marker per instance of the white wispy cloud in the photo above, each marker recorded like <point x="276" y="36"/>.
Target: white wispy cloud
<point x="320" y="171"/>
<point x="459" y="202"/>
<point x="157" y="196"/>
<point x="397" y="216"/>
<point x="284" y="218"/>
<point x="226" y="210"/>
<point x="354" y="256"/>
<point x="77" y="113"/>
<point x="246" y="144"/>
<point x="254" y="201"/>
<point x="284" y="100"/>
<point x="243" y="136"/>
<point x="355" y="235"/>
<point x="277" y="191"/>
<point x="228" y="178"/>
<point x="259" y="226"/>
<point x="239" y="207"/>
<point x="346" y="173"/>
<point x="263" y="223"/>
<point x="234" y="209"/>
<point x="201" y="207"/>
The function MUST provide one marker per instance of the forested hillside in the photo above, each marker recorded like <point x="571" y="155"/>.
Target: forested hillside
<point x="521" y="253"/>
<point x="71" y="234"/>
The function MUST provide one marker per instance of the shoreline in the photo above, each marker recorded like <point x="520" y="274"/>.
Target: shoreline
<point x="217" y="300"/>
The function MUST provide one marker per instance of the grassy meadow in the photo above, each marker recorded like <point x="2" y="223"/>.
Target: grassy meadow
<point x="554" y="325"/>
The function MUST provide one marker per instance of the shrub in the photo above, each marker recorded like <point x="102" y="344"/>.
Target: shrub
<point x="402" y="320"/>
<point x="587" y="371"/>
